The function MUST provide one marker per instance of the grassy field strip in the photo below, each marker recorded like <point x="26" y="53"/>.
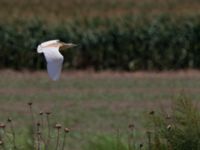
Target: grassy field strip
<point x="92" y="103"/>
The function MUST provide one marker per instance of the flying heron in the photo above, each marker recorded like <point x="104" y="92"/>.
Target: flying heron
<point x="53" y="57"/>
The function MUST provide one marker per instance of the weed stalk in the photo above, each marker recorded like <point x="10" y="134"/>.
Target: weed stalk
<point x="66" y="130"/>
<point x="13" y="133"/>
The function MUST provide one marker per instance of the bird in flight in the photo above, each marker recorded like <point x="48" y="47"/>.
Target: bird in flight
<point x="54" y="58"/>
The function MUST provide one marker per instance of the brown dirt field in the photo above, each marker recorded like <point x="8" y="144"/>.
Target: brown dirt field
<point x="60" y="10"/>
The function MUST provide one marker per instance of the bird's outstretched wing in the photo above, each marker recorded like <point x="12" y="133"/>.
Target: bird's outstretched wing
<point x="54" y="61"/>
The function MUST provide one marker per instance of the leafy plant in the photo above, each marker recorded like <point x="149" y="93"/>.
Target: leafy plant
<point x="180" y="130"/>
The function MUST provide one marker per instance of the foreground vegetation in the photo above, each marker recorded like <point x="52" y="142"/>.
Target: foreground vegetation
<point x="178" y="130"/>
<point x="142" y="35"/>
<point x="175" y="130"/>
<point x="92" y="105"/>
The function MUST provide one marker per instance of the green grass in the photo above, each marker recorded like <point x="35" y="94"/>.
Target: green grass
<point x="177" y="130"/>
<point x="92" y="103"/>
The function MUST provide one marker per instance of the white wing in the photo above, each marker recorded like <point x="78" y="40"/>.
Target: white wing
<point x="54" y="61"/>
<point x="41" y="47"/>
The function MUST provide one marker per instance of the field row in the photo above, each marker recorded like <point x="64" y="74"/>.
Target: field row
<point x="62" y="10"/>
<point x="128" y="43"/>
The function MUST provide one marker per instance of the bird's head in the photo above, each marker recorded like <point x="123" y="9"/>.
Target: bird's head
<point x="66" y="45"/>
<point x="39" y="49"/>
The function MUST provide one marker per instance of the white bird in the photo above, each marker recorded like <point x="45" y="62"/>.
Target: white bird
<point x="53" y="56"/>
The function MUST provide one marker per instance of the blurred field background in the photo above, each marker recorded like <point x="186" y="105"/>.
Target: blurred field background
<point x="118" y="35"/>
<point x="117" y="38"/>
<point x="60" y="10"/>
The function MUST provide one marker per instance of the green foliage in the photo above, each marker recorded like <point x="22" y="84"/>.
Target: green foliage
<point x="180" y="131"/>
<point x="106" y="142"/>
<point x="127" y="43"/>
